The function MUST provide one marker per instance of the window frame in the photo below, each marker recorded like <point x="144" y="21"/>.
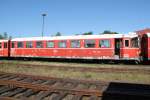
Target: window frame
<point x="88" y="40"/>
<point x="49" y="42"/>
<point x="42" y="44"/>
<point x="22" y="44"/>
<point x="135" y="42"/>
<point x="109" y="41"/>
<point x="75" y="46"/>
<point x="0" y="45"/>
<point x="125" y="43"/>
<point x="28" y="46"/>
<point x="61" y="42"/>
<point x="13" y="44"/>
<point x="5" y="44"/>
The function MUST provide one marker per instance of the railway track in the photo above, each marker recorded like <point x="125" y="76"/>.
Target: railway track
<point x="87" y="69"/>
<point x="28" y="87"/>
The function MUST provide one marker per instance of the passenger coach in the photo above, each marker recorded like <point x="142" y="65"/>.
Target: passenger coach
<point x="106" y="46"/>
<point x="4" y="48"/>
<point x="132" y="46"/>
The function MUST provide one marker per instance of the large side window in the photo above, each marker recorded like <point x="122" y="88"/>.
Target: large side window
<point x="134" y="42"/>
<point x="29" y="44"/>
<point x="0" y="45"/>
<point x="50" y="44"/>
<point x="39" y="44"/>
<point x="104" y="43"/>
<point x="89" y="43"/>
<point x="75" y="43"/>
<point x="20" y="44"/>
<point x="126" y="43"/>
<point x="62" y="44"/>
<point x="13" y="45"/>
<point x="5" y="44"/>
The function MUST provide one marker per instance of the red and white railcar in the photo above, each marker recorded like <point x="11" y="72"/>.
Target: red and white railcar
<point x="132" y="46"/>
<point x="4" y="48"/>
<point x="144" y="36"/>
<point x="106" y="46"/>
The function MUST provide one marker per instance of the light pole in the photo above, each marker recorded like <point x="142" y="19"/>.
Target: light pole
<point x="43" y="23"/>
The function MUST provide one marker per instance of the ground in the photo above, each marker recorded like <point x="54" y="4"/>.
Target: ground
<point x="28" y="67"/>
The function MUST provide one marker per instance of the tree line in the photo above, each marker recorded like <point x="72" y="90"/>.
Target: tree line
<point x="90" y="33"/>
<point x="5" y="35"/>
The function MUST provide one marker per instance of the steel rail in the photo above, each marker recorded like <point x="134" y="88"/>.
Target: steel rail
<point x="40" y="87"/>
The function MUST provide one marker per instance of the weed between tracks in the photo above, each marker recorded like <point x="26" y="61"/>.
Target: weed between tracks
<point x="46" y="71"/>
<point x="76" y="64"/>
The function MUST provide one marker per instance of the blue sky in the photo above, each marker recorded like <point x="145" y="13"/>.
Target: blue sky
<point x="22" y="18"/>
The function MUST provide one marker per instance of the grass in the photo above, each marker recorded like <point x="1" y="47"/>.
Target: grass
<point x="76" y="64"/>
<point x="46" y="71"/>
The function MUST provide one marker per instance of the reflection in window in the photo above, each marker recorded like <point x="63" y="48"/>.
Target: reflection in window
<point x="104" y="43"/>
<point x="75" y="43"/>
<point x="89" y="43"/>
<point x="126" y="43"/>
<point x="62" y="44"/>
<point x="134" y="42"/>
<point x="39" y="44"/>
<point x="29" y="44"/>
<point x="20" y="44"/>
<point x="5" y="44"/>
<point x="50" y="44"/>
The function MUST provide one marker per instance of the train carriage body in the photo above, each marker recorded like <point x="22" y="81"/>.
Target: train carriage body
<point x="106" y="46"/>
<point x="144" y="36"/>
<point x="80" y="47"/>
<point x="4" y="48"/>
<point x="132" y="46"/>
<point x="145" y="47"/>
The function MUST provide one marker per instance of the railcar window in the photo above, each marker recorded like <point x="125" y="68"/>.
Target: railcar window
<point x="50" y="44"/>
<point x="20" y="44"/>
<point x="29" y="44"/>
<point x="134" y="42"/>
<point x="104" y="43"/>
<point x="0" y="45"/>
<point x="5" y="44"/>
<point x="126" y="43"/>
<point x="39" y="44"/>
<point x="89" y="43"/>
<point x="62" y="44"/>
<point x="75" y="43"/>
<point x="13" y="45"/>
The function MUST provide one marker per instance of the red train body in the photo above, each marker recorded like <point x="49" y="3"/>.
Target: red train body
<point x="135" y="46"/>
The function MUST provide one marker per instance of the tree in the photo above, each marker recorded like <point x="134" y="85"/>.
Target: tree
<point x="109" y="32"/>
<point x="77" y="34"/>
<point x="106" y="32"/>
<point x="4" y="35"/>
<point x="58" y="34"/>
<point x="88" y="33"/>
<point x="1" y="37"/>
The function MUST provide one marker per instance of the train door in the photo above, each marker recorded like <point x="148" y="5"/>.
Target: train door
<point x="144" y="47"/>
<point x="5" y="48"/>
<point x="118" y="43"/>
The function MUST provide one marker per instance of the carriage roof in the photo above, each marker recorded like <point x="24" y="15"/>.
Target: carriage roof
<point x="105" y="36"/>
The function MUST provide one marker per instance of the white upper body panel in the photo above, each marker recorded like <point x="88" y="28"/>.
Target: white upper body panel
<point x="148" y="34"/>
<point x="3" y="40"/>
<point x="105" y="36"/>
